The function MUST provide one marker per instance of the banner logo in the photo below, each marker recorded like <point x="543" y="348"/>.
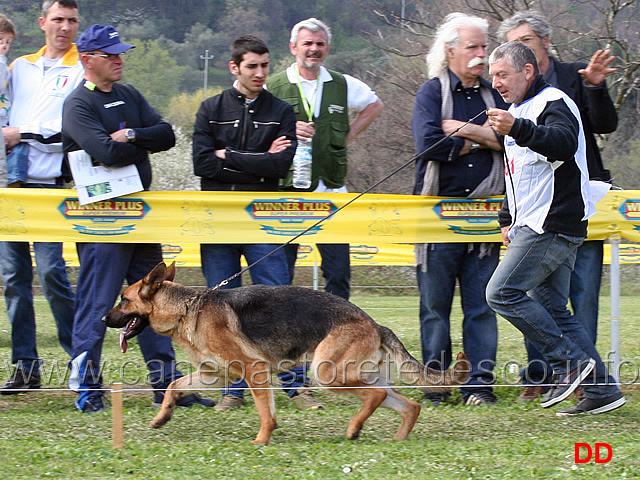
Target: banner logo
<point x="104" y="215"/>
<point x="363" y="252"/>
<point x="290" y="212"/>
<point x="471" y="211"/>
<point x="171" y="252"/>
<point x="304" y="251"/>
<point x="630" y="210"/>
<point x="629" y="254"/>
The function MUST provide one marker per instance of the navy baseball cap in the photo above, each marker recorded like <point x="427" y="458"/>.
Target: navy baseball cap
<point x="102" y="37"/>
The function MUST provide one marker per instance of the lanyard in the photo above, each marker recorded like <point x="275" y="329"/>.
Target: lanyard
<point x="308" y="107"/>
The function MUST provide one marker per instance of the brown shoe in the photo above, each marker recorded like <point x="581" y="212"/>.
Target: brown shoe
<point x="229" y="402"/>
<point x="304" y="400"/>
<point x="578" y="394"/>
<point x="531" y="392"/>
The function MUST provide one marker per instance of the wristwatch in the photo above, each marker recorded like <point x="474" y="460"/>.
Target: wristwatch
<point x="130" y="134"/>
<point x="474" y="147"/>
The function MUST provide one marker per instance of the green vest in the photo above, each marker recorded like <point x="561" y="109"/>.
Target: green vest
<point x="332" y="127"/>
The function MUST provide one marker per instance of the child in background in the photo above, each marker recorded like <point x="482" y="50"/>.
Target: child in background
<point x="7" y="34"/>
<point x="17" y="159"/>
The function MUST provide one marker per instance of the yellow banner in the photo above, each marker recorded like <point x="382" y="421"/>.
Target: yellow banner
<point x="177" y="218"/>
<point x="188" y="255"/>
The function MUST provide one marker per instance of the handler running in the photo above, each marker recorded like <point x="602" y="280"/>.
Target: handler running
<point x="544" y="221"/>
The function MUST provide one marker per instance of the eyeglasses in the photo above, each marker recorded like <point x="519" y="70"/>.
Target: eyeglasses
<point x="108" y="56"/>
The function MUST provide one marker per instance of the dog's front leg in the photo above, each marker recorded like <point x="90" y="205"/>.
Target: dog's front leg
<point x="171" y="396"/>
<point x="263" y="398"/>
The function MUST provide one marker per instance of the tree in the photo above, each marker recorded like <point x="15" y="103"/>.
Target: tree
<point x="152" y="71"/>
<point x="580" y="28"/>
<point x="183" y="108"/>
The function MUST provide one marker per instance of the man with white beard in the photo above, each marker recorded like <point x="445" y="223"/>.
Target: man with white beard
<point x="467" y="164"/>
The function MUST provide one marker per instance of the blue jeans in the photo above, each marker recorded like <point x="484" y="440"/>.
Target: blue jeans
<point x="446" y="263"/>
<point x="221" y="261"/>
<point x="541" y="265"/>
<point x="17" y="276"/>
<point x="103" y="269"/>
<point x="584" y="294"/>
<point x="18" y="164"/>
<point x="335" y="266"/>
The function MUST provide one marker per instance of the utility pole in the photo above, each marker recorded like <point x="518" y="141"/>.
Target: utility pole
<point x="206" y="59"/>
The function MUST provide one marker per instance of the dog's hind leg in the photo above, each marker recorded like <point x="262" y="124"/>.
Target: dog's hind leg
<point x="407" y="409"/>
<point x="266" y="406"/>
<point x="371" y="398"/>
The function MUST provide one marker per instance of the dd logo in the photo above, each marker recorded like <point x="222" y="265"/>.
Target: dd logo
<point x="589" y="452"/>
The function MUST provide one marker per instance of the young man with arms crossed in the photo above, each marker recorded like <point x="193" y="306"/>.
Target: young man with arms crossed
<point x="244" y="140"/>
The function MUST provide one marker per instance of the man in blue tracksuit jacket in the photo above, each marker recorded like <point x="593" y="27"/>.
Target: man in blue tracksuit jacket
<point x="114" y="124"/>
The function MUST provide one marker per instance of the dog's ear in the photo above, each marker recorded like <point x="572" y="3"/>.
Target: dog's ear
<point x="171" y="272"/>
<point x="153" y="280"/>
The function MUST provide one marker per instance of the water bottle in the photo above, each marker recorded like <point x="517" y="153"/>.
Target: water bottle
<point x="302" y="165"/>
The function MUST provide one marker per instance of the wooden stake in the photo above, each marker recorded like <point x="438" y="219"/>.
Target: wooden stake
<point x="116" y="416"/>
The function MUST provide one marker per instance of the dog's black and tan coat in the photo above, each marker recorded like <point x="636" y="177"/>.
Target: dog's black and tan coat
<point x="248" y="330"/>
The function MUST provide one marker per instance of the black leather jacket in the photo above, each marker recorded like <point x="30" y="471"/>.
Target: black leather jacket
<point x="246" y="131"/>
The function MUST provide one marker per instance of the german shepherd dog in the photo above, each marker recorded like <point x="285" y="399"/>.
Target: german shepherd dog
<point x="238" y="332"/>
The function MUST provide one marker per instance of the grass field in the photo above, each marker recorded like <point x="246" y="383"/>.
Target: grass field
<point x="42" y="436"/>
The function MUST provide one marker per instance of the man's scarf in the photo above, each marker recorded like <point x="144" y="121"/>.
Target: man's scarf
<point x="493" y="184"/>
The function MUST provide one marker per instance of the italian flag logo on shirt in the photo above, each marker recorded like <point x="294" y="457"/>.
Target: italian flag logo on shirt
<point x="61" y="82"/>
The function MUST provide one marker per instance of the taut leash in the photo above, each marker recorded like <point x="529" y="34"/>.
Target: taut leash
<point x="388" y="176"/>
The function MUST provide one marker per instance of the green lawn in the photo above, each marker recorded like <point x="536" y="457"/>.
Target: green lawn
<point x="42" y="436"/>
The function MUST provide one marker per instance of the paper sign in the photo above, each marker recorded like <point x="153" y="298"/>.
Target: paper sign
<point x="95" y="183"/>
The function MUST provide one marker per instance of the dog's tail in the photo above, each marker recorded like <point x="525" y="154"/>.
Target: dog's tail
<point x="413" y="372"/>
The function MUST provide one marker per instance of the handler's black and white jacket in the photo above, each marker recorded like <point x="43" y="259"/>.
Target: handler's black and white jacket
<point x="547" y="181"/>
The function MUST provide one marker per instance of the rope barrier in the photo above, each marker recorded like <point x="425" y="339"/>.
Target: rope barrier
<point x="311" y="387"/>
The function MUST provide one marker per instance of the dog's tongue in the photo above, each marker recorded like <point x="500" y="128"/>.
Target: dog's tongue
<point x="123" y="342"/>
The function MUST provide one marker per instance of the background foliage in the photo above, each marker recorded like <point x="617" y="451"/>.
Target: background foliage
<point x="382" y="42"/>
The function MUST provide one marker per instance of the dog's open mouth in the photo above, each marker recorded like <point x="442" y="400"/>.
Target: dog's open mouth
<point x="130" y="330"/>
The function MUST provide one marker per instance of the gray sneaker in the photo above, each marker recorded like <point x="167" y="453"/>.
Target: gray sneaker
<point x="566" y="384"/>
<point x="229" y="402"/>
<point x="305" y="400"/>
<point x="593" y="406"/>
<point x="435" y="399"/>
<point x="480" y="397"/>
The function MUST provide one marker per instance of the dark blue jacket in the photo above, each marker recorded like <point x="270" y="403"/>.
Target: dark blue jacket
<point x="459" y="175"/>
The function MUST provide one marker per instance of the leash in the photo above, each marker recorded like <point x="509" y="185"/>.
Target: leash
<point x="384" y="179"/>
